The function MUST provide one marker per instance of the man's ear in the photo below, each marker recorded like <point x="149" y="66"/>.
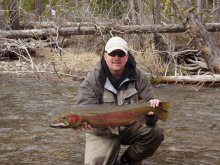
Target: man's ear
<point x="105" y="54"/>
<point x="127" y="57"/>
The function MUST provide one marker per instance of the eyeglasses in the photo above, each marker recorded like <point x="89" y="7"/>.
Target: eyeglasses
<point x="119" y="53"/>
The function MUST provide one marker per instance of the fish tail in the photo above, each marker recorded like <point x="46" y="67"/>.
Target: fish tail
<point x="163" y="115"/>
<point x="165" y="105"/>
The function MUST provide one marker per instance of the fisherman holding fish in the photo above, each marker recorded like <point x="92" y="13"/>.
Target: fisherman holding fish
<point x="115" y="79"/>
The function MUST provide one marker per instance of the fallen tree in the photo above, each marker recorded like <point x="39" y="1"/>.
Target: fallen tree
<point x="82" y="29"/>
<point x="204" y="42"/>
<point x="41" y="25"/>
<point x="213" y="78"/>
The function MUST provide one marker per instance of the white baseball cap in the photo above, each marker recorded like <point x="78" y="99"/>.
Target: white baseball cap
<point x="115" y="43"/>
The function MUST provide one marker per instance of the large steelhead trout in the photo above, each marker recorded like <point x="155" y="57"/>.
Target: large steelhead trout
<point x="104" y="116"/>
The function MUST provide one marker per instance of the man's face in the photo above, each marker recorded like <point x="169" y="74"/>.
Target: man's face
<point x="116" y="61"/>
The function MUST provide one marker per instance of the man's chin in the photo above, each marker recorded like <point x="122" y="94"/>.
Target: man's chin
<point x="117" y="68"/>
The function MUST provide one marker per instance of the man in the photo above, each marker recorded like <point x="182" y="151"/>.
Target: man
<point x="115" y="79"/>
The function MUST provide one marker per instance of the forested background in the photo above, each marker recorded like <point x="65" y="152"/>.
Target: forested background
<point x="167" y="37"/>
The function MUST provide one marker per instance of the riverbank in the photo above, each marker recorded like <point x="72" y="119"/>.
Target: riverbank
<point x="49" y="64"/>
<point x="71" y="63"/>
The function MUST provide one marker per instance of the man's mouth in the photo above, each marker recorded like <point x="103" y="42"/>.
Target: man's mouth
<point x="116" y="63"/>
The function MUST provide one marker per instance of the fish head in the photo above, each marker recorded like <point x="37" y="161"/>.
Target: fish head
<point x="66" y="121"/>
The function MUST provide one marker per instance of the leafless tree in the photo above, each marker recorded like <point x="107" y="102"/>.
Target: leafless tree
<point x="2" y="16"/>
<point x="13" y="15"/>
<point x="37" y="5"/>
<point x="157" y="20"/>
<point x="216" y="11"/>
<point x="204" y="42"/>
<point x="200" y="10"/>
<point x="135" y="20"/>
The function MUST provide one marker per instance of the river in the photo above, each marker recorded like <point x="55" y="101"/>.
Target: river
<point x="192" y="133"/>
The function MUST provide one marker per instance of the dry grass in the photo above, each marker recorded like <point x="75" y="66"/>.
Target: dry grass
<point x="150" y="62"/>
<point x="69" y="61"/>
<point x="80" y="63"/>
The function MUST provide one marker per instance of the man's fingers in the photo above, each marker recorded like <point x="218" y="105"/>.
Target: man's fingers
<point x="154" y="103"/>
<point x="150" y="113"/>
<point x="85" y="126"/>
<point x="89" y="127"/>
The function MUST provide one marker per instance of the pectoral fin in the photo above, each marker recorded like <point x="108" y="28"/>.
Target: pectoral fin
<point x="142" y="120"/>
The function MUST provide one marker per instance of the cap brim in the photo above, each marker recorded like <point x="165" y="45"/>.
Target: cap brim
<point x="116" y="48"/>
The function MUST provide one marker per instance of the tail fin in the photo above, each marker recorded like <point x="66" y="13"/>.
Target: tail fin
<point x="164" y="105"/>
<point x="163" y="115"/>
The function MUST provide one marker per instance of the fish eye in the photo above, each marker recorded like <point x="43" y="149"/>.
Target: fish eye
<point x="64" y="117"/>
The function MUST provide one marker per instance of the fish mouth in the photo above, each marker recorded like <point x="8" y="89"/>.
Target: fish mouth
<point x="59" y="124"/>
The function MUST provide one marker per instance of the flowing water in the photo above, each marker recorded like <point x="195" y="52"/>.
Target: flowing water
<point x="192" y="134"/>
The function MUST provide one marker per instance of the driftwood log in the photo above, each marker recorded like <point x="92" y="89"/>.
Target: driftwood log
<point x="190" y="60"/>
<point x="82" y="29"/>
<point x="213" y="78"/>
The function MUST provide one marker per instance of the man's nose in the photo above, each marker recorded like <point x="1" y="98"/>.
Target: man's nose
<point x="116" y="56"/>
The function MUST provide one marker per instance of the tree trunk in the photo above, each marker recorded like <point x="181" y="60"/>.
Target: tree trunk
<point x="157" y="20"/>
<point x="216" y="13"/>
<point x="204" y="42"/>
<point x="91" y="30"/>
<point x="37" y="5"/>
<point x="201" y="5"/>
<point x="172" y="17"/>
<point x="156" y="12"/>
<point x="13" y="15"/>
<point x="134" y="11"/>
<point x="2" y="17"/>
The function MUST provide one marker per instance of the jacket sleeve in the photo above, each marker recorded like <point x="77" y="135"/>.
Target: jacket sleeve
<point x="89" y="90"/>
<point x="145" y="90"/>
<point x="146" y="93"/>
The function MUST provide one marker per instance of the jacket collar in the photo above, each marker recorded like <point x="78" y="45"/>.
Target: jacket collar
<point x="108" y="85"/>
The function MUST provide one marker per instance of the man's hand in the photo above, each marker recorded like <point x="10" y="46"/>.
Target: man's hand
<point x="85" y="126"/>
<point x="153" y="103"/>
